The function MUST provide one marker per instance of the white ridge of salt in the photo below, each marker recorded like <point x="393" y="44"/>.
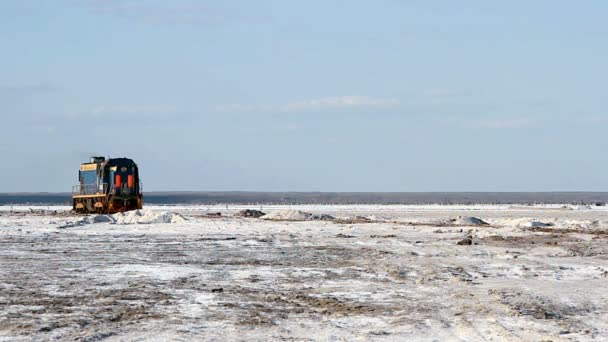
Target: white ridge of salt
<point x="131" y="217"/>
<point x="143" y="216"/>
<point x="288" y="215"/>
<point x="89" y="220"/>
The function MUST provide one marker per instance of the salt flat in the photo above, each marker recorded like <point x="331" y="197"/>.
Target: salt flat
<point x="375" y="273"/>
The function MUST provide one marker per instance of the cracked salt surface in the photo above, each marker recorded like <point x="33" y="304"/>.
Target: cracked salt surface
<point x="171" y="273"/>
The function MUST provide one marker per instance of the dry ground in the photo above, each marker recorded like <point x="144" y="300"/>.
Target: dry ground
<point x="227" y="278"/>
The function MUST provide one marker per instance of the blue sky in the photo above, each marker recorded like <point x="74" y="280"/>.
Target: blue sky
<point x="387" y="95"/>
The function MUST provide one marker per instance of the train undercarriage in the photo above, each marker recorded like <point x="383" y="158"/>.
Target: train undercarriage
<point x="106" y="204"/>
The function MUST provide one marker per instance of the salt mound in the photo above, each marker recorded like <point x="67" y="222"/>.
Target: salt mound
<point x="296" y="215"/>
<point x="250" y="213"/>
<point x="88" y="220"/>
<point x="323" y="217"/>
<point x="147" y="216"/>
<point x="469" y="221"/>
<point x="288" y="215"/>
<point x="536" y="224"/>
<point x="99" y="219"/>
<point x="131" y="217"/>
<point x="584" y="224"/>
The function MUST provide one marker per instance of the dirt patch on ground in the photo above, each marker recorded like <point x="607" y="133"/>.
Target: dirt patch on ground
<point x="250" y="213"/>
<point x="571" y="246"/>
<point x="87" y="311"/>
<point x="527" y="241"/>
<point x="355" y="220"/>
<point x="258" y="307"/>
<point x="567" y="230"/>
<point x="570" y="316"/>
<point x="302" y="302"/>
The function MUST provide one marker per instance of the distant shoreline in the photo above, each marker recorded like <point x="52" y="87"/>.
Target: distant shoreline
<point x="243" y="197"/>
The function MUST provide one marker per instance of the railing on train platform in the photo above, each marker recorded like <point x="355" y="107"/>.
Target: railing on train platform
<point x="89" y="189"/>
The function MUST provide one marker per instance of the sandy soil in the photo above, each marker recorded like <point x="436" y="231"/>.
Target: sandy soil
<point x="398" y="273"/>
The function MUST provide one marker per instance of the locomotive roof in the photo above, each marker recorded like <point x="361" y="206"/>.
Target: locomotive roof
<point x="116" y="161"/>
<point x="120" y="161"/>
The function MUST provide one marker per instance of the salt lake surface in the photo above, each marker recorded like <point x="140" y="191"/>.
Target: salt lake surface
<point x="374" y="272"/>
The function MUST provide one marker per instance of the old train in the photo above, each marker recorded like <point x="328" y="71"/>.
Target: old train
<point x="107" y="186"/>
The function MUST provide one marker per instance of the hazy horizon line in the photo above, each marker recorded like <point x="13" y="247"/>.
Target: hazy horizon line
<point x="325" y="192"/>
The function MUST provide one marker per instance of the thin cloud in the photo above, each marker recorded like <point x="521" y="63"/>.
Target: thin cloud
<point x="170" y="12"/>
<point x="109" y="112"/>
<point x="25" y="89"/>
<point x="325" y="103"/>
<point x="505" y="124"/>
<point x="130" y="110"/>
<point x="341" y="102"/>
